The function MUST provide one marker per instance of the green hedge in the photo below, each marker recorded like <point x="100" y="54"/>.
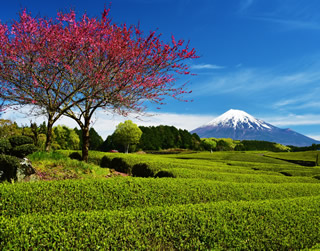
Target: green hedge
<point x="19" y="140"/>
<point x="121" y="193"/>
<point x="8" y="168"/>
<point x="23" y="150"/>
<point x="289" y="224"/>
<point x="5" y="146"/>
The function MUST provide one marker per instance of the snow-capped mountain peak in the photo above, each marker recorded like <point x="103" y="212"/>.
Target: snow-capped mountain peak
<point x="238" y="119"/>
<point x="239" y="125"/>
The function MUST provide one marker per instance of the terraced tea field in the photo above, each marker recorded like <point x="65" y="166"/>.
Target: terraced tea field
<point x="221" y="201"/>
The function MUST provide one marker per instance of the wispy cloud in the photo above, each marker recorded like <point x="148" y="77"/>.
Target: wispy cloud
<point x="287" y="14"/>
<point x="279" y="87"/>
<point x="291" y="24"/>
<point x="245" y="4"/>
<point x="302" y="100"/>
<point x="294" y="120"/>
<point x="207" y="66"/>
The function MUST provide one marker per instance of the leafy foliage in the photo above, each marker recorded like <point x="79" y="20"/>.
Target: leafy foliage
<point x="8" y="128"/>
<point x="5" y="146"/>
<point x="24" y="150"/>
<point x="75" y="155"/>
<point x="256" y="145"/>
<point x="8" y="167"/>
<point x="142" y="170"/>
<point x="127" y="134"/>
<point x="106" y="162"/>
<point x="120" y="165"/>
<point x="159" y="137"/>
<point x="65" y="138"/>
<point x="19" y="140"/>
<point x="164" y="174"/>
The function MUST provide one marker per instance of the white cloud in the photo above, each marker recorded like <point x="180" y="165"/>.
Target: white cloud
<point x="105" y="123"/>
<point x="206" y="66"/>
<point x="316" y="137"/>
<point x="294" y="120"/>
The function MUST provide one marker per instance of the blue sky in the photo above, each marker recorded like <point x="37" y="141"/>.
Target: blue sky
<point x="260" y="56"/>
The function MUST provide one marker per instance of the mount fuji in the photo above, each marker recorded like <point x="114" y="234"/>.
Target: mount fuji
<point x="239" y="125"/>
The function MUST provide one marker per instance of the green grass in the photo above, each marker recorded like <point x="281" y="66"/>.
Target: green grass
<point x="57" y="166"/>
<point x="220" y="201"/>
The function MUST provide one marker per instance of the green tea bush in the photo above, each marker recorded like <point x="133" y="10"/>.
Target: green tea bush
<point x="5" y="146"/>
<point x="241" y="225"/>
<point x="106" y="162"/>
<point x="24" y="150"/>
<point x="164" y="174"/>
<point x="142" y="170"/>
<point x="75" y="155"/>
<point x="120" y="165"/>
<point x="8" y="167"/>
<point x="19" y="140"/>
<point x="123" y="193"/>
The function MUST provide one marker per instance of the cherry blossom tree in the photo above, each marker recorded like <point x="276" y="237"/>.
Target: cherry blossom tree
<point x="35" y="63"/>
<point x="75" y="67"/>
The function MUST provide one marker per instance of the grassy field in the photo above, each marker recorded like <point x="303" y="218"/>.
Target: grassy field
<point x="220" y="201"/>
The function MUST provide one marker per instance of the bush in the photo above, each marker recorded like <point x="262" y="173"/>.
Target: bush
<point x="19" y="140"/>
<point x="120" y="165"/>
<point x="142" y="170"/>
<point x="105" y="162"/>
<point x="8" y="167"/>
<point x="75" y="155"/>
<point x="24" y="150"/>
<point x="5" y="146"/>
<point x="163" y="174"/>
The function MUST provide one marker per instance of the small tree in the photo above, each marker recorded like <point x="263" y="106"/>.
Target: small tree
<point x="209" y="144"/>
<point x="8" y="128"/>
<point x="127" y="134"/>
<point x="65" y="138"/>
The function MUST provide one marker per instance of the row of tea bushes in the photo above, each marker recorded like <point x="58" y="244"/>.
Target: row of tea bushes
<point x="236" y="177"/>
<point x="120" y="193"/>
<point x="209" y="166"/>
<point x="243" y="225"/>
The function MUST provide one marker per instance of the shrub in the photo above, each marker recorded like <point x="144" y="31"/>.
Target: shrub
<point x="5" y="146"/>
<point x="75" y="155"/>
<point x="120" y="165"/>
<point x="19" y="140"/>
<point x="142" y="170"/>
<point x="8" y="167"/>
<point x="105" y="162"/>
<point x="163" y="174"/>
<point x="24" y="150"/>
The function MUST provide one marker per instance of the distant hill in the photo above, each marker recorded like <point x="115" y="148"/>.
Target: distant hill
<point x="239" y="125"/>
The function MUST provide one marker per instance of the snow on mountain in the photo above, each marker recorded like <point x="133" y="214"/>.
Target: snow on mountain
<point x="237" y="124"/>
<point x="237" y="119"/>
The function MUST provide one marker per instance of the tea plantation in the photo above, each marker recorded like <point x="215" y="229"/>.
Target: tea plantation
<point x="220" y="201"/>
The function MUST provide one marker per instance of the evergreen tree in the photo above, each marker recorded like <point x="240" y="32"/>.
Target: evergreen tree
<point x="95" y="141"/>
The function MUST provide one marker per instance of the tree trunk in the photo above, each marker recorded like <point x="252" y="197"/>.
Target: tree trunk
<point x="85" y="143"/>
<point x="127" y="148"/>
<point x="49" y="135"/>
